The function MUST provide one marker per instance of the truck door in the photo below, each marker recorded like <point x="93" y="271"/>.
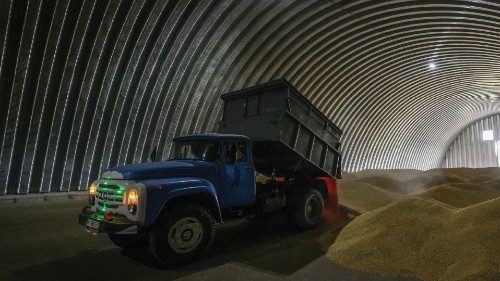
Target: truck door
<point x="237" y="175"/>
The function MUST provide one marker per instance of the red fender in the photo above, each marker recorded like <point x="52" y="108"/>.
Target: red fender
<point x="332" y="202"/>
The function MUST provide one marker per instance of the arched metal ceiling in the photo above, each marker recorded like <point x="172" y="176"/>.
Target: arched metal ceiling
<point x="90" y="84"/>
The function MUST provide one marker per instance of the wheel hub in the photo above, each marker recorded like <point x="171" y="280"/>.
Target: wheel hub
<point x="311" y="209"/>
<point x="185" y="235"/>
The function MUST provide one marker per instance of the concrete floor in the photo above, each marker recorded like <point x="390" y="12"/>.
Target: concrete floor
<point x="40" y="240"/>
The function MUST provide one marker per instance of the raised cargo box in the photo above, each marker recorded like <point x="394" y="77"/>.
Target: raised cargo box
<point x="289" y="133"/>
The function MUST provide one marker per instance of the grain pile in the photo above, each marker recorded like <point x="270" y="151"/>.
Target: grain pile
<point x="450" y="231"/>
<point x="363" y="197"/>
<point x="370" y="189"/>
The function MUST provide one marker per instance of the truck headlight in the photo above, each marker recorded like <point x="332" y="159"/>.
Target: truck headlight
<point x="91" y="191"/>
<point x="132" y="199"/>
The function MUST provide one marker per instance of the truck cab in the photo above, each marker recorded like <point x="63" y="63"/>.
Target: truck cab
<point x="217" y="167"/>
<point x="225" y="161"/>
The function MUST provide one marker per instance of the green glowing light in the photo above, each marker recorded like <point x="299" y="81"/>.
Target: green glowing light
<point x="119" y="192"/>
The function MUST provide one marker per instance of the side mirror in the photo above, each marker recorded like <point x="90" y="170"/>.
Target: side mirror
<point x="153" y="154"/>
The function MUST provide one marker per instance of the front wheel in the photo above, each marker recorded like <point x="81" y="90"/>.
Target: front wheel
<point x="308" y="209"/>
<point x="183" y="235"/>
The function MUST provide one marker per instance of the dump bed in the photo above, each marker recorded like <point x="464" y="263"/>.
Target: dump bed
<point x="289" y="134"/>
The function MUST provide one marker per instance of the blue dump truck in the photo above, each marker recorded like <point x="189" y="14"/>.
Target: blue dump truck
<point x="174" y="205"/>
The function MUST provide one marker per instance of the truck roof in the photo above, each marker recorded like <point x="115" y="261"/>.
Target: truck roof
<point x="213" y="136"/>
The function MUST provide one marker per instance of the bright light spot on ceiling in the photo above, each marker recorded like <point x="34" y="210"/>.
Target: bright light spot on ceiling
<point x="432" y="65"/>
<point x="488" y="135"/>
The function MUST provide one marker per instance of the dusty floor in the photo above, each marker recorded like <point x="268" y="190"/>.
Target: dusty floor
<point x="41" y="241"/>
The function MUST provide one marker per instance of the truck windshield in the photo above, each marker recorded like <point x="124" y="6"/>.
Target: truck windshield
<point x="196" y="150"/>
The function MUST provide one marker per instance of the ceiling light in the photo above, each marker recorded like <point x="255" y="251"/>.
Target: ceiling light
<point x="432" y="65"/>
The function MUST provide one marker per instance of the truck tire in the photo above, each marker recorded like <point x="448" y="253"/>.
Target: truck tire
<point x="308" y="209"/>
<point x="183" y="235"/>
<point x="129" y="240"/>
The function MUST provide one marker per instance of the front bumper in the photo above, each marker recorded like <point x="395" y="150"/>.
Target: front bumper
<point x="114" y="223"/>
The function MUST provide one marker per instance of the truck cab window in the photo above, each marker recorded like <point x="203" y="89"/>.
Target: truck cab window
<point x="196" y="150"/>
<point x="236" y="152"/>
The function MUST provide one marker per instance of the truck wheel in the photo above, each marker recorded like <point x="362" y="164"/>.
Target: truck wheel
<point x="129" y="240"/>
<point x="183" y="235"/>
<point x="308" y="209"/>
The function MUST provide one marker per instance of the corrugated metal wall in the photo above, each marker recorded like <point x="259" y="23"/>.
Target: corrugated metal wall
<point x="470" y="150"/>
<point x="88" y="84"/>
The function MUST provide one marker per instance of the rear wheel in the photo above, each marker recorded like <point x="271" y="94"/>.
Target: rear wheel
<point x="129" y="240"/>
<point x="308" y="209"/>
<point x="183" y="235"/>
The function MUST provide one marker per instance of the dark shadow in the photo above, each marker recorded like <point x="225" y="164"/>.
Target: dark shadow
<point x="271" y="244"/>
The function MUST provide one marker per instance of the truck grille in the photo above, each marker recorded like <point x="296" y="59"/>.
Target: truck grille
<point x="108" y="196"/>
